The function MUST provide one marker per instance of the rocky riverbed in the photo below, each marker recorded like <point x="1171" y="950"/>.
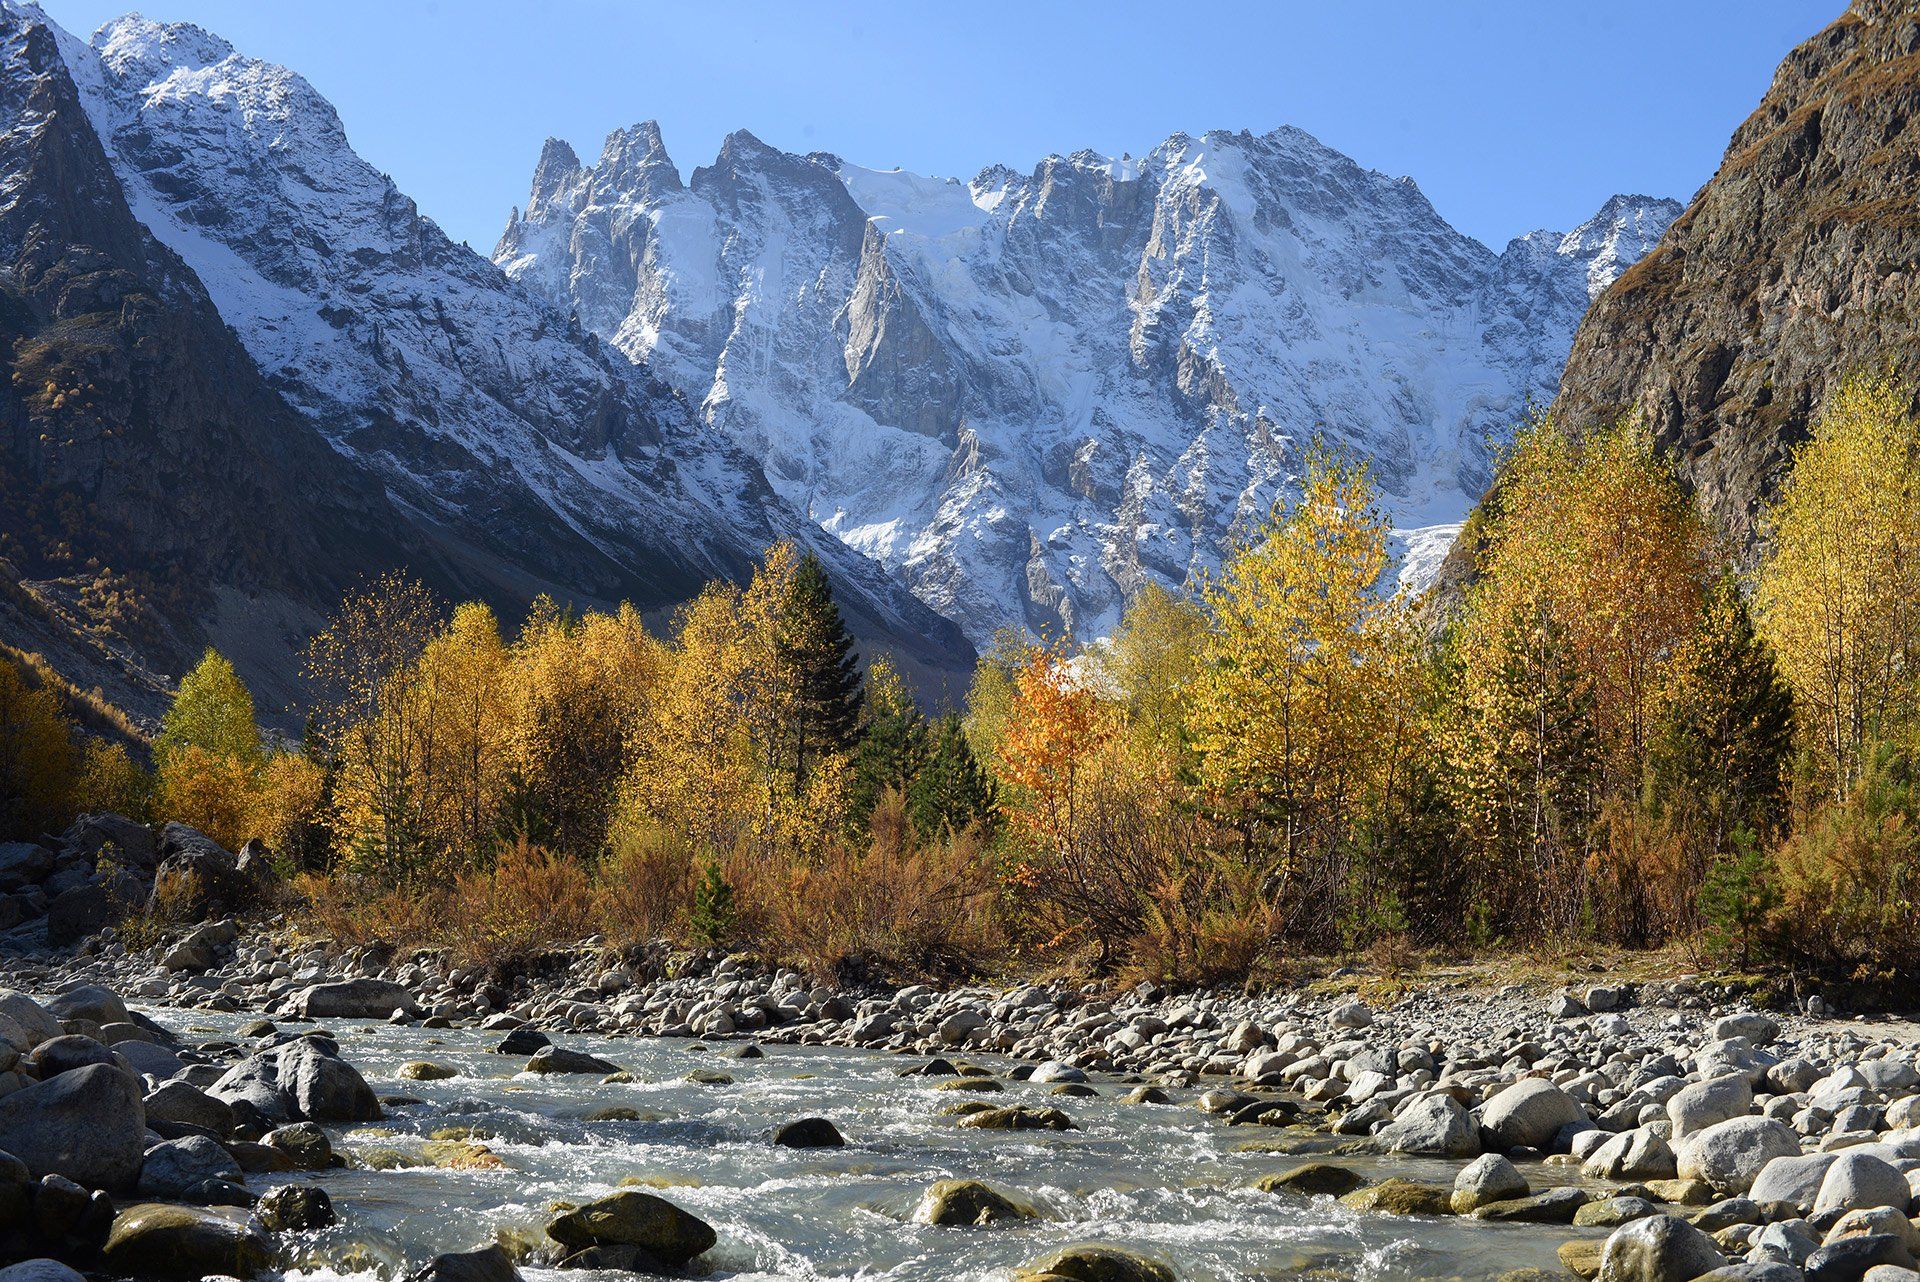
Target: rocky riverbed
<point x="240" y="1099"/>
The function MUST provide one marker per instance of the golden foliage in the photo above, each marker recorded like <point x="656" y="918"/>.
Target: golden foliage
<point x="1839" y="593"/>
<point x="37" y="759"/>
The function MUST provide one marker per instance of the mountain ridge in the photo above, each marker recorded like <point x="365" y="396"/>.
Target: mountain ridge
<point x="934" y="378"/>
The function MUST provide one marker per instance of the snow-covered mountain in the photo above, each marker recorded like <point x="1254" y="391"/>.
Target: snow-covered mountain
<point x="536" y="459"/>
<point x="1029" y="393"/>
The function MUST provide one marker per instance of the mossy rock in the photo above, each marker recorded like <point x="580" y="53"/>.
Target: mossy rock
<point x="384" y="1159"/>
<point x="463" y="1155"/>
<point x="1401" y="1197"/>
<point x="1019" y="1119"/>
<point x="1075" y="1090"/>
<point x="618" y="1113"/>
<point x="1612" y="1212"/>
<point x="1097" y="1264"/>
<point x="461" y="1133"/>
<point x="1146" y="1095"/>
<point x="621" y="1078"/>
<point x="423" y="1070"/>
<point x="154" y="1240"/>
<point x="970" y="1204"/>
<point x="659" y="1182"/>
<point x="707" y="1077"/>
<point x="966" y="1108"/>
<point x="983" y="1084"/>
<point x="632" y="1218"/>
<point x="1582" y="1257"/>
<point x="1683" y="1192"/>
<point x="1548" y="1206"/>
<point x="1322" y="1179"/>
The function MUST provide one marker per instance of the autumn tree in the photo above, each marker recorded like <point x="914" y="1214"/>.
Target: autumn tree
<point x="37" y="759"/>
<point x="1301" y="705"/>
<point x="212" y="710"/>
<point x="1592" y="585"/>
<point x="369" y="719"/>
<point x="1152" y="661"/>
<point x="1839" y="589"/>
<point x="1053" y="729"/>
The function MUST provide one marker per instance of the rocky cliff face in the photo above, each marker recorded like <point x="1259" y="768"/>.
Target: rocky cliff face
<point x="1794" y="266"/>
<point x="158" y="494"/>
<point x="1029" y="394"/>
<point x="399" y="383"/>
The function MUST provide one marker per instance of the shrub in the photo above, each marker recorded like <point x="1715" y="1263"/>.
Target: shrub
<point x="212" y="793"/>
<point x="644" y="887"/>
<point x="528" y="901"/>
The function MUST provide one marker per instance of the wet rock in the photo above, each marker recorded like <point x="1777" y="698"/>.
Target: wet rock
<point x="421" y="1070"/>
<point x="556" y="1059"/>
<point x="1019" y="1119"/>
<point x="1549" y="1206"/>
<point x="1146" y="1095"/>
<point x="354" y="999"/>
<point x="1612" y="1212"/>
<point x="1098" y="1264"/>
<point x="1849" y="1259"/>
<point x="1322" y="1179"/>
<point x="809" y="1132"/>
<point x="523" y="1041"/>
<point x="88" y="1125"/>
<point x="1401" y="1197"/>
<point x="305" y="1144"/>
<point x="1488" y="1178"/>
<point x="295" y="1208"/>
<point x="1530" y="1113"/>
<point x="1658" y="1249"/>
<point x="633" y="1218"/>
<point x="1582" y="1257"/>
<point x="151" y="1239"/>
<point x="968" y="1203"/>
<point x="488" y="1264"/>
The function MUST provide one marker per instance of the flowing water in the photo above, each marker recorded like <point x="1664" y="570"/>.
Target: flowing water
<point x="1164" y="1179"/>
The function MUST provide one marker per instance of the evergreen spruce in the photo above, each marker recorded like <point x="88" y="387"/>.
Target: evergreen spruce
<point x="713" y="913"/>
<point x="894" y="746"/>
<point x="952" y="790"/>
<point x="818" y="661"/>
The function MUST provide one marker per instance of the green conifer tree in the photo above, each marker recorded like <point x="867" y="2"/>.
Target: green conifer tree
<point x="818" y="662"/>
<point x="952" y="790"/>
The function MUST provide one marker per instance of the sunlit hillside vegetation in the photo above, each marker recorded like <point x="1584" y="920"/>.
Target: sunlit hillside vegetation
<point x="1620" y="736"/>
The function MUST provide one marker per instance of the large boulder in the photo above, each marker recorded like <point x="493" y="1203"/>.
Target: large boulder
<point x="354" y="999"/>
<point x="558" y="1059"/>
<point x="89" y="1002"/>
<point x="1795" y="1179"/>
<point x="197" y="877"/>
<point x="1530" y="1113"/>
<point x="64" y="1054"/>
<point x="88" y="1125"/>
<point x="1859" y="1181"/>
<point x="153" y="1240"/>
<point x="632" y="1218"/>
<point x="1487" y="1179"/>
<point x="1658" y="1248"/>
<point x="114" y="837"/>
<point x="25" y="1022"/>
<point x="1730" y="1155"/>
<point x="188" y="1105"/>
<point x="1432" y="1126"/>
<point x="1703" y="1104"/>
<point x="40" y="1271"/>
<point x="300" y="1081"/>
<point x="1639" y="1154"/>
<point x="77" y="913"/>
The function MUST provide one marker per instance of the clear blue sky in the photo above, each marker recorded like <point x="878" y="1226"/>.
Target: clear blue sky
<point x="1510" y="115"/>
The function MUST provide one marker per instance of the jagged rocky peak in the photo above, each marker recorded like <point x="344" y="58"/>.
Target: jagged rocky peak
<point x="1030" y="393"/>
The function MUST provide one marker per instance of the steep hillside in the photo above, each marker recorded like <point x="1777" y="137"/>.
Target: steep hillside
<point x="1795" y="265"/>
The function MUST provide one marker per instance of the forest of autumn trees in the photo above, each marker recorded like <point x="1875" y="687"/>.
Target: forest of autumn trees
<point x="1621" y="734"/>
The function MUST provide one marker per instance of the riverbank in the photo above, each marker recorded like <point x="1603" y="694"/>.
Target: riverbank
<point x="1669" y="1114"/>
